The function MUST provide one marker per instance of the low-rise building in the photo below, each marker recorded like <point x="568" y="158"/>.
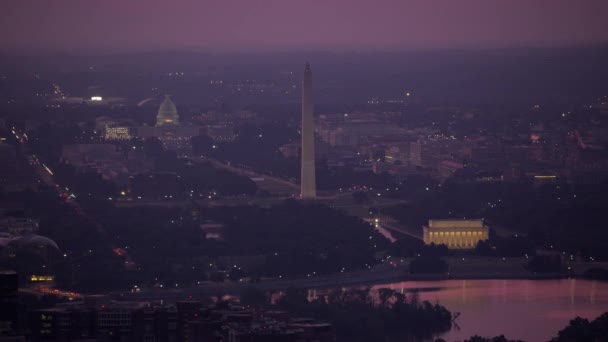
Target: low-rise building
<point x="19" y="225"/>
<point x="456" y="234"/>
<point x="118" y="133"/>
<point x="101" y="319"/>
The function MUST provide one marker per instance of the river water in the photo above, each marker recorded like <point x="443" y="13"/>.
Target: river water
<point x="530" y="310"/>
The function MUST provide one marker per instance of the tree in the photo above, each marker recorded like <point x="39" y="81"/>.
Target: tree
<point x="202" y="144"/>
<point x="500" y="338"/>
<point x="153" y="147"/>
<point x="596" y="273"/>
<point x="360" y="197"/>
<point x="408" y="247"/>
<point x="217" y="277"/>
<point x="360" y="315"/>
<point x="252" y="296"/>
<point x="428" y="264"/>
<point x="294" y="298"/>
<point x="544" y="263"/>
<point x="581" y="330"/>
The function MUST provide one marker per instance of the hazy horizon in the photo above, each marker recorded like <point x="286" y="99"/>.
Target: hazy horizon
<point x="296" y="51"/>
<point x="110" y="27"/>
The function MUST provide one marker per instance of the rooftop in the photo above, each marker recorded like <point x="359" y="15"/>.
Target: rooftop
<point x="456" y="223"/>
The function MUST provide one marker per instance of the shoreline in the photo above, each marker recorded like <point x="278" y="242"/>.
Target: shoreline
<point x="371" y="278"/>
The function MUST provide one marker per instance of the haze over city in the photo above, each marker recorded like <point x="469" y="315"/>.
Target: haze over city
<point x="73" y="26"/>
<point x="304" y="171"/>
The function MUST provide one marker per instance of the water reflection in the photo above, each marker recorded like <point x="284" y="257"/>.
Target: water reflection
<point x="464" y="291"/>
<point x="532" y="310"/>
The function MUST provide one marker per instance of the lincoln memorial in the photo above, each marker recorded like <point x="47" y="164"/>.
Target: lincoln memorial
<point x="456" y="234"/>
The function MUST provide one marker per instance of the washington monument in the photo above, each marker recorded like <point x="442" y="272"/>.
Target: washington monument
<point x="308" y="184"/>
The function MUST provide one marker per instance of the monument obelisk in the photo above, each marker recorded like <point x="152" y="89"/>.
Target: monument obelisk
<point x="308" y="184"/>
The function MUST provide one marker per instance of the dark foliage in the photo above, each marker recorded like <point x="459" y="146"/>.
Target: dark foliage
<point x="582" y="330"/>
<point x="513" y="246"/>
<point x="181" y="180"/>
<point x="515" y="206"/>
<point x="428" y="264"/>
<point x="365" y="315"/>
<point x="169" y="246"/>
<point x="408" y="246"/>
<point x="544" y="264"/>
<point x="301" y="238"/>
<point x="500" y="338"/>
<point x="250" y="296"/>
<point x="86" y="262"/>
<point x="153" y="147"/>
<point x="202" y="145"/>
<point x="596" y="273"/>
<point x="360" y="197"/>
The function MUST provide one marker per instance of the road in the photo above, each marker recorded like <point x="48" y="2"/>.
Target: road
<point x="391" y="224"/>
<point x="269" y="183"/>
<point x="393" y="270"/>
<point x="41" y="290"/>
<point x="342" y="200"/>
<point x="46" y="175"/>
<point x="379" y="274"/>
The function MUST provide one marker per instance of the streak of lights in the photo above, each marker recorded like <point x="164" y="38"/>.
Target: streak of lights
<point x="47" y="169"/>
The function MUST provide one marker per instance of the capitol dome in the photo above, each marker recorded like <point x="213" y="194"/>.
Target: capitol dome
<point x="167" y="113"/>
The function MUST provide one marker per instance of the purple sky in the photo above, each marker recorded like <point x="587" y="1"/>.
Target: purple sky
<point x="242" y="25"/>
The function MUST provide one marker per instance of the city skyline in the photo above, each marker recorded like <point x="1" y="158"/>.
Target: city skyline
<point x="442" y="177"/>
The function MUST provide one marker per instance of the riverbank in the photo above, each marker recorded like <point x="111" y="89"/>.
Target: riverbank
<point x="397" y="270"/>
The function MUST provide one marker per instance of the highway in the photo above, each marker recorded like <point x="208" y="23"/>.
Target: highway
<point x="392" y="270"/>
<point x="382" y="273"/>
<point x="46" y="175"/>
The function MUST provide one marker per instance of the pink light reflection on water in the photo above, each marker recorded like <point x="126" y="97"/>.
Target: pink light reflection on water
<point x="532" y="310"/>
